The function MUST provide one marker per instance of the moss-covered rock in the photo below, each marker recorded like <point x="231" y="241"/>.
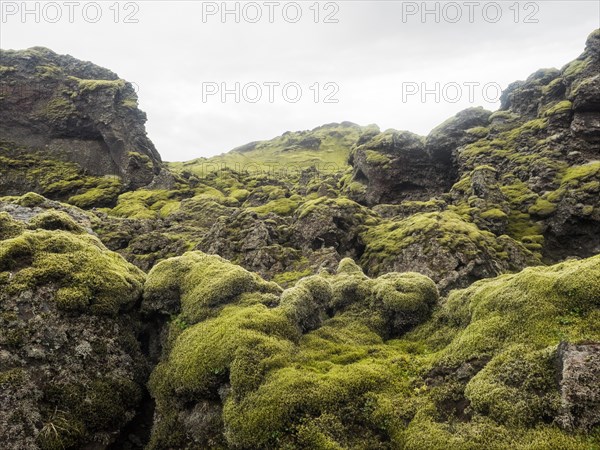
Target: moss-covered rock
<point x="444" y="246"/>
<point x="274" y="350"/>
<point x="72" y="372"/>
<point x="313" y="367"/>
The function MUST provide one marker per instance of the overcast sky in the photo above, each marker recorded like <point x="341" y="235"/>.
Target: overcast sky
<point x="375" y="58"/>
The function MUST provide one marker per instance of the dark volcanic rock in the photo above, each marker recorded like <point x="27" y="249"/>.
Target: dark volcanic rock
<point x="579" y="372"/>
<point x="77" y="112"/>
<point x="444" y="139"/>
<point x="394" y="166"/>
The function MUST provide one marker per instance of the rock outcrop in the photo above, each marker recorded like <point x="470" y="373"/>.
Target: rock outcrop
<point x="71" y="369"/>
<point x="579" y="372"/>
<point x="74" y="111"/>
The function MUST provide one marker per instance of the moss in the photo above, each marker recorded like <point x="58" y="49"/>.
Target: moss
<point x="130" y="103"/>
<point x="575" y="67"/>
<point x="168" y="207"/>
<point x="315" y="369"/>
<point x="282" y="207"/>
<point x="288" y="278"/>
<point x="7" y="69"/>
<point x="517" y="387"/>
<point x="87" y="276"/>
<point x="493" y="214"/>
<point x="559" y="108"/>
<point x="239" y="194"/>
<point x="405" y="300"/>
<point x="376" y="158"/>
<point x="137" y="160"/>
<point x="48" y="71"/>
<point x="9" y="227"/>
<point x="83" y="408"/>
<point x="577" y="180"/>
<point x="58" y="109"/>
<point x="523" y="309"/>
<point x="55" y="220"/>
<point x="542" y="208"/>
<point x="12" y="377"/>
<point x="200" y="284"/>
<point x="325" y="148"/>
<point x="587" y="210"/>
<point x="143" y="204"/>
<point x="31" y="200"/>
<point x="446" y="230"/>
<point x="194" y="367"/>
<point x="103" y="194"/>
<point x="479" y="132"/>
<point x="87" y="86"/>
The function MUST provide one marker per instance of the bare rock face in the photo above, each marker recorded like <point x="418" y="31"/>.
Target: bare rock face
<point x="75" y="111"/>
<point x="394" y="166"/>
<point x="443" y="141"/>
<point x="579" y="372"/>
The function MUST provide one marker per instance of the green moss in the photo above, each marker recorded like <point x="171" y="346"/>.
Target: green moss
<point x="83" y="408"/>
<point x="194" y="367"/>
<point x="130" y="103"/>
<point x="479" y="132"/>
<point x="288" y="278"/>
<point x="523" y="309"/>
<point x="255" y="344"/>
<point x="12" y="377"/>
<point x="282" y="207"/>
<point x="559" y="108"/>
<point x="49" y="71"/>
<point x="168" y="208"/>
<point x="315" y="369"/>
<point x="103" y="194"/>
<point x="493" y="214"/>
<point x="9" y="227"/>
<point x="201" y="284"/>
<point x="376" y="158"/>
<point x="87" y="86"/>
<point x="325" y="148"/>
<point x="71" y="263"/>
<point x="143" y="204"/>
<point x="575" y="67"/>
<point x="58" y="109"/>
<point x="7" y="69"/>
<point x="542" y="208"/>
<point x="435" y="230"/>
<point x="31" y="200"/>
<point x="517" y="387"/>
<point x="140" y="160"/>
<point x="55" y="220"/>
<point x="239" y="194"/>
<point x="577" y="180"/>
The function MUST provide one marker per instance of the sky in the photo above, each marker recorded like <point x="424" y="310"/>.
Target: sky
<point x="212" y="76"/>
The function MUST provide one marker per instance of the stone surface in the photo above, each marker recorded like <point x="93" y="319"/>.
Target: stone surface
<point x="579" y="373"/>
<point x="76" y="111"/>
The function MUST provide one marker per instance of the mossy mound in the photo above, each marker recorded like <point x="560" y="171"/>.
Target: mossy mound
<point x="315" y="366"/>
<point x="195" y="285"/>
<point x="87" y="277"/>
<point x="278" y="361"/>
